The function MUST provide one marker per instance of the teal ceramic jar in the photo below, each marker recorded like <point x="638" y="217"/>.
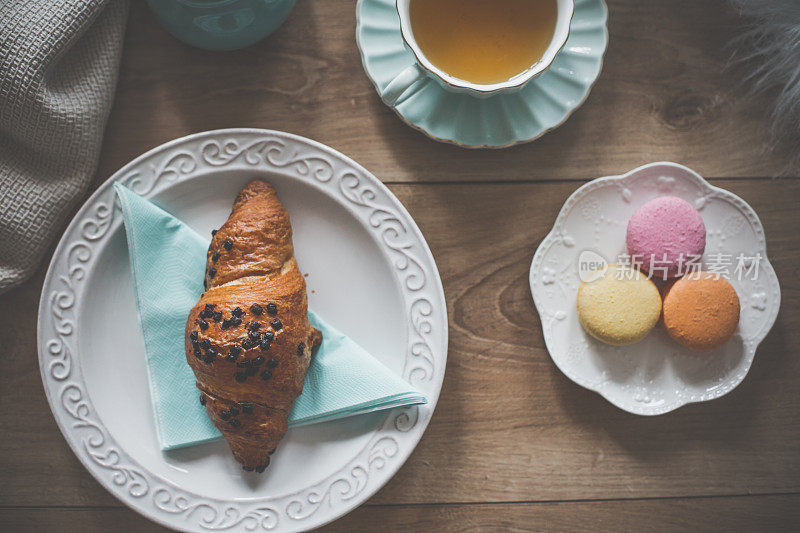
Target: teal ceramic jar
<point x="221" y="24"/>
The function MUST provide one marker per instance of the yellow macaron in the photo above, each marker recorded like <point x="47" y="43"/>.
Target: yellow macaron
<point x="618" y="305"/>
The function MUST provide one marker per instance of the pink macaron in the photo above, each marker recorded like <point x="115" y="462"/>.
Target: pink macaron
<point x="666" y="236"/>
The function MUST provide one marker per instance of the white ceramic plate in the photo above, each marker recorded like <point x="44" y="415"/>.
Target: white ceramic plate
<point x="656" y="375"/>
<point x="371" y="274"/>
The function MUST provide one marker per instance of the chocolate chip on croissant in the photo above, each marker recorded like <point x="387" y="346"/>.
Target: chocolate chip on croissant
<point x="248" y="339"/>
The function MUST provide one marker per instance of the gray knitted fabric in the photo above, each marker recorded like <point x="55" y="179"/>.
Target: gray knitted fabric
<point x="58" y="69"/>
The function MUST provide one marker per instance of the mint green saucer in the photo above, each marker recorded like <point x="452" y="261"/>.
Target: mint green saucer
<point x="498" y="121"/>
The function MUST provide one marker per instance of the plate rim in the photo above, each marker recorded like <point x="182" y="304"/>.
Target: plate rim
<point x="455" y="142"/>
<point x="421" y="421"/>
<point x="703" y="184"/>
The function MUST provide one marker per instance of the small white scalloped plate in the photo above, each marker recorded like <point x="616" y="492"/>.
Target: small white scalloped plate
<point x="656" y="375"/>
<point x="543" y="104"/>
<point x="370" y="273"/>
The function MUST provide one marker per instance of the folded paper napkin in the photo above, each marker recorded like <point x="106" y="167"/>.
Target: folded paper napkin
<point x="168" y="262"/>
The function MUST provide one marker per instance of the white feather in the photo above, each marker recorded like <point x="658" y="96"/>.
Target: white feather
<point x="770" y="48"/>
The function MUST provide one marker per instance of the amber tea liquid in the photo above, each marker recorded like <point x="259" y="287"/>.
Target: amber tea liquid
<point x="483" y="41"/>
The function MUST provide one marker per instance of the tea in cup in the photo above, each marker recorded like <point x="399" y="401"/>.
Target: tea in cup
<point x="481" y="47"/>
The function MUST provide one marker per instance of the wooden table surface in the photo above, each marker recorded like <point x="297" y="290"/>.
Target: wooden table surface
<point x="513" y="443"/>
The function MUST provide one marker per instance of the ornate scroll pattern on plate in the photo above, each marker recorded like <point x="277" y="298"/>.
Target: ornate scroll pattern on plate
<point x="216" y="516"/>
<point x="149" y="175"/>
<point x="345" y="484"/>
<point x="94" y="440"/>
<point x="272" y="152"/>
<point x="177" y="166"/>
<point x="394" y="234"/>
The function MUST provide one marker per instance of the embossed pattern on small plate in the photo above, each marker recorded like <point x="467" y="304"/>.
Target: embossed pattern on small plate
<point x="656" y="375"/>
<point x="369" y="272"/>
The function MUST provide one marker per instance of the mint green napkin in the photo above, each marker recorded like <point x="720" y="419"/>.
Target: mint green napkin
<point x="168" y="263"/>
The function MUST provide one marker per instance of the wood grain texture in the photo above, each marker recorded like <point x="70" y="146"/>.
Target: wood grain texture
<point x="509" y="426"/>
<point x="755" y="513"/>
<point x="664" y="94"/>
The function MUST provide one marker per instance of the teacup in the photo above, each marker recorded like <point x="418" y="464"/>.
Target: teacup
<point x="221" y="24"/>
<point x="406" y="83"/>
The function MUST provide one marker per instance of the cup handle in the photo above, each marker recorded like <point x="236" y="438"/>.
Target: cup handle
<point x="398" y="90"/>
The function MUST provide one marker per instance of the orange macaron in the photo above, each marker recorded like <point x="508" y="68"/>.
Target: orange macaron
<point x="701" y="310"/>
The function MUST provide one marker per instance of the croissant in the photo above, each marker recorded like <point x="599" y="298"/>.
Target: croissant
<point x="248" y="339"/>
